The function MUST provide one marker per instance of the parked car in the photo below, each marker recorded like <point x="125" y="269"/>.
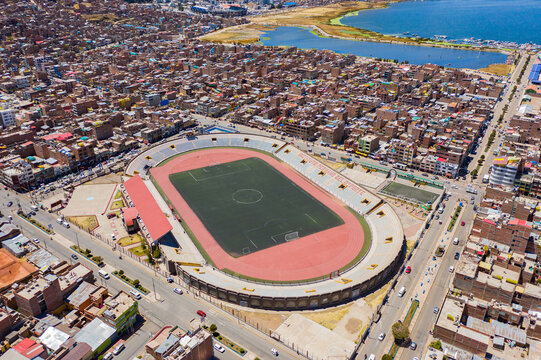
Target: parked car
<point x="451" y="269"/>
<point x="118" y="349"/>
<point x="457" y="256"/>
<point x="178" y="291"/>
<point x="413" y="346"/>
<point x="10" y="203"/>
<point x="381" y="336"/>
<point x="36" y="240"/>
<point x="436" y="309"/>
<point x="408" y="269"/>
<point x="219" y="348"/>
<point x="201" y="313"/>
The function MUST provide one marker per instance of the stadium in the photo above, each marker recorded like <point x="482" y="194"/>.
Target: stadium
<point x="255" y="221"/>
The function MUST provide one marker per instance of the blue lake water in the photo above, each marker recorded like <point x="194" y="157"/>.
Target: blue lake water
<point x="304" y="39"/>
<point x="504" y="20"/>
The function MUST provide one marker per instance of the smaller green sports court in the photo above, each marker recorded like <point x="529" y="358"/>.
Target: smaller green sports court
<point x="410" y="193"/>
<point x="247" y="205"/>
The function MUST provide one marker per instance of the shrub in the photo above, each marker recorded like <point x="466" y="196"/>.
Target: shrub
<point x="213" y="327"/>
<point x="121" y="272"/>
<point x="242" y="351"/>
<point x="156" y="253"/>
<point x="220" y="337"/>
<point x="400" y="332"/>
<point x="436" y="345"/>
<point x="386" y="357"/>
<point x="136" y="282"/>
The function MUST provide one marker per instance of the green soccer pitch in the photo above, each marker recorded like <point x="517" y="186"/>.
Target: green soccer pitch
<point x="247" y="205"/>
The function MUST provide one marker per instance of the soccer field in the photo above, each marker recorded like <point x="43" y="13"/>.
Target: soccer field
<point x="247" y="205"/>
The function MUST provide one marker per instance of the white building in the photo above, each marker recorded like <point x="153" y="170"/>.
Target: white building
<point x="504" y="171"/>
<point x="8" y="117"/>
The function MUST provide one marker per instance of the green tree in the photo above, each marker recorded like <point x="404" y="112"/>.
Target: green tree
<point x="436" y="345"/>
<point x="213" y="328"/>
<point x="136" y="282"/>
<point x="400" y="332"/>
<point x="156" y="253"/>
<point x="386" y="357"/>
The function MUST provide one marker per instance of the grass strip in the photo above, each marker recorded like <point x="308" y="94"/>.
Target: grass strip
<point x="35" y="223"/>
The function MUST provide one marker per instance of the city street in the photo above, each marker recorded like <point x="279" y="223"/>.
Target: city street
<point x="170" y="308"/>
<point x="395" y="307"/>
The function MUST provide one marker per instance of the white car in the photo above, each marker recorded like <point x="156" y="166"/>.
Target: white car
<point x="451" y="269"/>
<point x="219" y="348"/>
<point x="274" y="352"/>
<point x="381" y="336"/>
<point x="178" y="291"/>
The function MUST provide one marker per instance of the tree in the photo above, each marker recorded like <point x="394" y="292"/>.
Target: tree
<point x="400" y="332"/>
<point x="156" y="253"/>
<point x="121" y="272"/>
<point x="213" y="328"/>
<point x="136" y="282"/>
<point x="386" y="357"/>
<point x="436" y="345"/>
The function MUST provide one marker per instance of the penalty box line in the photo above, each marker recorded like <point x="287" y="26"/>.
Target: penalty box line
<point x="247" y="168"/>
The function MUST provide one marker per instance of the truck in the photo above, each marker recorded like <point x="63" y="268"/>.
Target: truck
<point x="485" y="179"/>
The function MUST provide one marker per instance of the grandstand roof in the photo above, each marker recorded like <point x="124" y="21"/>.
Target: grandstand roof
<point x="150" y="213"/>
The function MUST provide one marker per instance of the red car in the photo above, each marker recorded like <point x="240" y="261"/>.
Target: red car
<point x="201" y="313"/>
<point x="408" y="269"/>
<point x="463" y="223"/>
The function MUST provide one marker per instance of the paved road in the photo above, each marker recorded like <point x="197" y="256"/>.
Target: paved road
<point x="426" y="316"/>
<point x="513" y="107"/>
<point x="173" y="309"/>
<point x="393" y="310"/>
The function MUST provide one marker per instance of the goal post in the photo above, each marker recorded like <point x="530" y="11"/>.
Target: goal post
<point x="291" y="236"/>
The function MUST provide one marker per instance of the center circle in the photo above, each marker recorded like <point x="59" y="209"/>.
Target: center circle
<point x="247" y="196"/>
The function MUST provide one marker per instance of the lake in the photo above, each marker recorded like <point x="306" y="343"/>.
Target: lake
<point x="503" y="20"/>
<point x="304" y="39"/>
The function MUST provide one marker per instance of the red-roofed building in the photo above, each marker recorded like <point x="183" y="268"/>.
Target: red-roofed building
<point x="130" y="218"/>
<point x="151" y="216"/>
<point x="57" y="136"/>
<point x="30" y="349"/>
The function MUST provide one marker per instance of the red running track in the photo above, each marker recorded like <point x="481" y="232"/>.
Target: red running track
<point x="305" y="258"/>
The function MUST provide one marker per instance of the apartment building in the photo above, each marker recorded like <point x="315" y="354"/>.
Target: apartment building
<point x="504" y="170"/>
<point x="40" y="295"/>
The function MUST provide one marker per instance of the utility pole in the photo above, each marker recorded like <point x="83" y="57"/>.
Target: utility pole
<point x="154" y="289"/>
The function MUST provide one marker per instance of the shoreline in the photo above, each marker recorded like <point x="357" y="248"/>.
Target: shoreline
<point x="325" y="21"/>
